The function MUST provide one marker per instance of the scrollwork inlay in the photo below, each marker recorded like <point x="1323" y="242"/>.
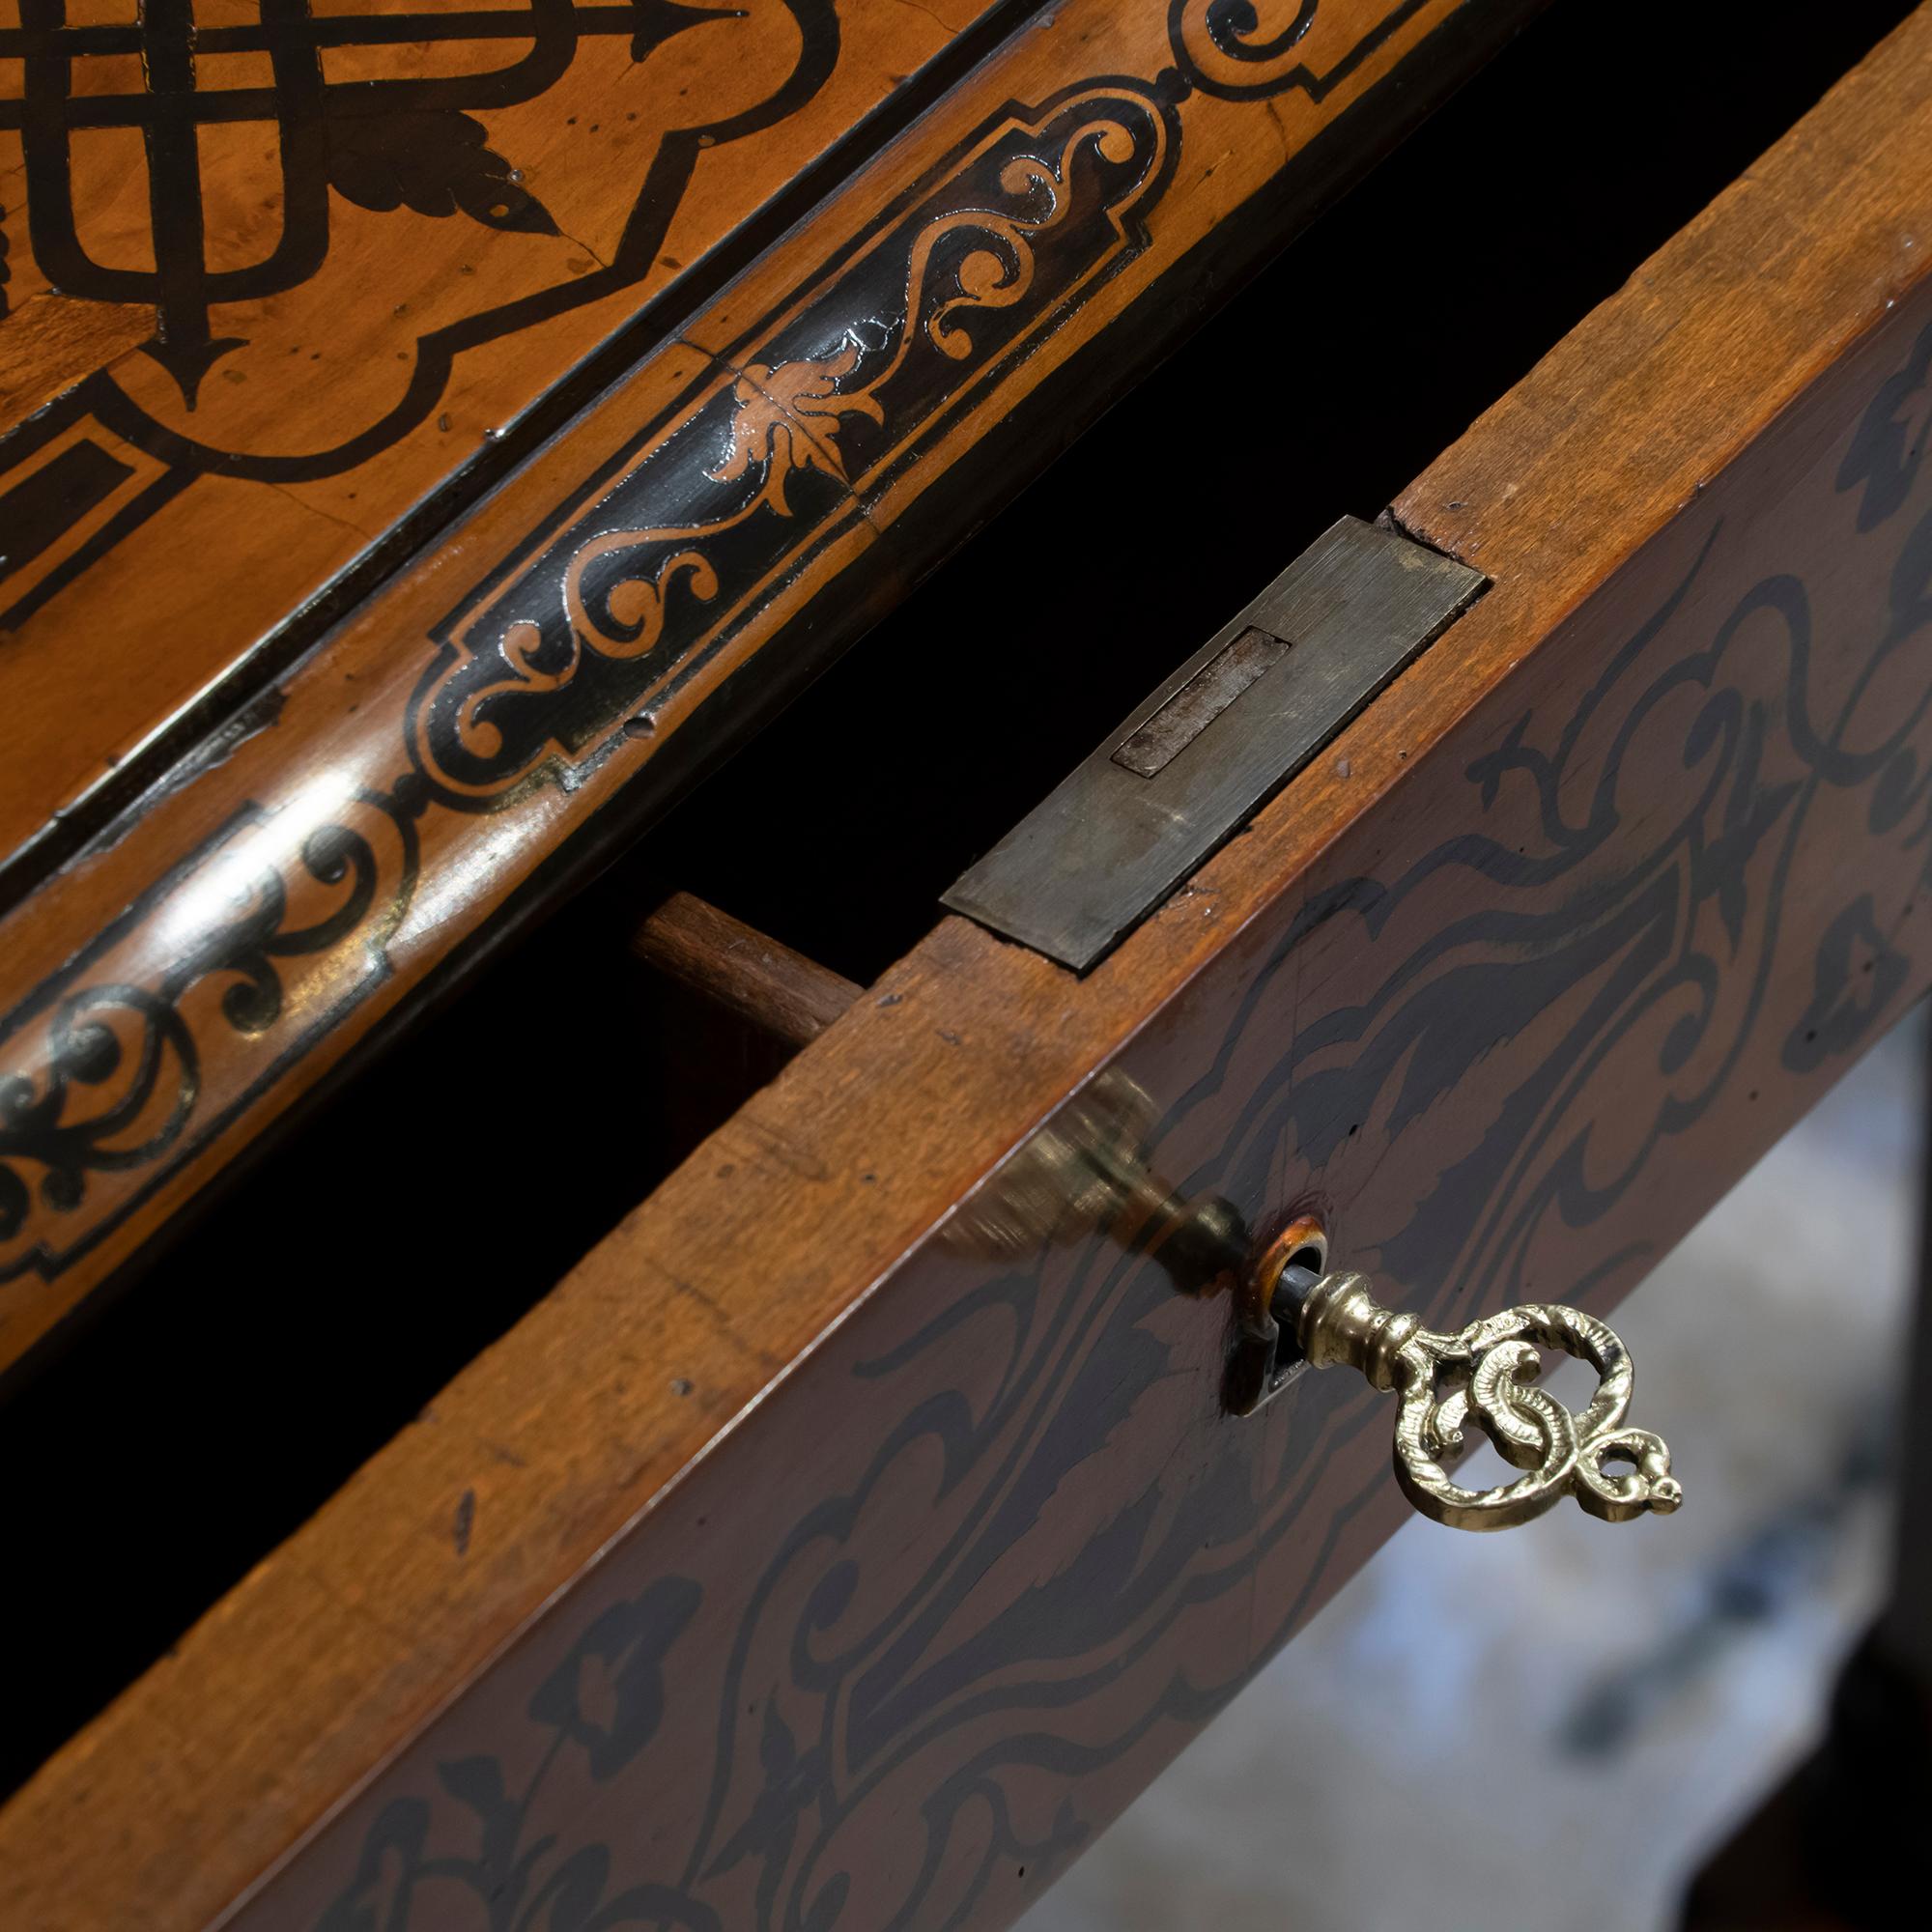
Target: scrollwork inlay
<point x="817" y="410"/>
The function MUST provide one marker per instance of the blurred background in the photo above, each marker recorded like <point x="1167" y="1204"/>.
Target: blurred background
<point x="1536" y="1732"/>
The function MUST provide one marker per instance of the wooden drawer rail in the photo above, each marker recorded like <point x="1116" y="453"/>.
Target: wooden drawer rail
<point x="784" y="995"/>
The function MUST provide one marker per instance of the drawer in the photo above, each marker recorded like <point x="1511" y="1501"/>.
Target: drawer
<point x="862" y="1523"/>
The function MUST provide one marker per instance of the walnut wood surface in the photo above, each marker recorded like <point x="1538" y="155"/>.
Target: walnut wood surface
<point x="782" y="992"/>
<point x="772" y="476"/>
<point x="1579" y="915"/>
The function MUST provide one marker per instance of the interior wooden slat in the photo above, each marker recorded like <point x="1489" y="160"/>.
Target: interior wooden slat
<point x="765" y="983"/>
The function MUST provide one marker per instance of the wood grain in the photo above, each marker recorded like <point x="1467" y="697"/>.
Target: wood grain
<point x="566" y="659"/>
<point x="1584" y="909"/>
<point x="426" y="218"/>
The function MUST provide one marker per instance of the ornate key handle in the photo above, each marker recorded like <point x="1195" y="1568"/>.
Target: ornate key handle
<point x="1486" y="1370"/>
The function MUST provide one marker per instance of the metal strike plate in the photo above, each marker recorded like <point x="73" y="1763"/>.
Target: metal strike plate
<point x="1222" y="735"/>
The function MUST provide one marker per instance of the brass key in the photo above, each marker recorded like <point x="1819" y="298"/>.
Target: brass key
<point x="1485" y="1371"/>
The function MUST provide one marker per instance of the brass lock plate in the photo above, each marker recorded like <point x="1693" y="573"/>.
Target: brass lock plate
<point x="1220" y="737"/>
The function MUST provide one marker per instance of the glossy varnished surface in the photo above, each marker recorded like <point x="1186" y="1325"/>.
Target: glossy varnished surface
<point x="772" y="476"/>
<point x="280" y="276"/>
<point x="1579" y="915"/>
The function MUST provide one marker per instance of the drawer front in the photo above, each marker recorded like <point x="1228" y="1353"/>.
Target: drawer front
<point x="925" y="1623"/>
<point x="861" y="1543"/>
